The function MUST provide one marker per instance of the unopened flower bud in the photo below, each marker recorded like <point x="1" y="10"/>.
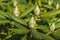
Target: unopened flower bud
<point x="16" y="12"/>
<point x="37" y="11"/>
<point x="57" y="6"/>
<point x="52" y="27"/>
<point x="32" y="22"/>
<point x="50" y="2"/>
<point x="15" y="3"/>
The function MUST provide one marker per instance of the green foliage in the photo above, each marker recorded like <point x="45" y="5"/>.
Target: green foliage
<point x="14" y="27"/>
<point x="41" y="36"/>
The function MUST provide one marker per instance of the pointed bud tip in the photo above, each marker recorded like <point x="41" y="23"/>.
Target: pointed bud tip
<point x="37" y="10"/>
<point x="52" y="27"/>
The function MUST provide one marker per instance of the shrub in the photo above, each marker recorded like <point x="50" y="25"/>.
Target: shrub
<point x="29" y="19"/>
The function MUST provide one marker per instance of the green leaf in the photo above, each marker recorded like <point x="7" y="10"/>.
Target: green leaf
<point x="43" y="28"/>
<point x="20" y="30"/>
<point x="58" y="25"/>
<point x="4" y="21"/>
<point x="24" y="38"/>
<point x="3" y="13"/>
<point x="23" y="1"/>
<point x="50" y="14"/>
<point x="9" y="8"/>
<point x="49" y="7"/>
<point x="2" y="17"/>
<point x="17" y="19"/>
<point x="8" y="36"/>
<point x="41" y="36"/>
<point x="39" y="2"/>
<point x="27" y="11"/>
<point x="56" y="1"/>
<point x="19" y="25"/>
<point x="36" y="35"/>
<point x="56" y="34"/>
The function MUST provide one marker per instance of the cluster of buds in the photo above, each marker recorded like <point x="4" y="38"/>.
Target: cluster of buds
<point x="37" y="11"/>
<point x="52" y="27"/>
<point x="57" y="6"/>
<point x="16" y="10"/>
<point x="32" y="23"/>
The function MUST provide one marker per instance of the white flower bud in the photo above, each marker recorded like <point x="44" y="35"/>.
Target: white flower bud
<point x="37" y="11"/>
<point x="16" y="12"/>
<point x="57" y="6"/>
<point x="52" y="27"/>
<point x="50" y="2"/>
<point x="15" y="3"/>
<point x="32" y="22"/>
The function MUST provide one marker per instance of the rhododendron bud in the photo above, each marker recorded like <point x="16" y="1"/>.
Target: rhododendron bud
<point x="32" y="22"/>
<point x="57" y="6"/>
<point x="16" y="12"/>
<point x="50" y="2"/>
<point x="37" y="11"/>
<point x="52" y="27"/>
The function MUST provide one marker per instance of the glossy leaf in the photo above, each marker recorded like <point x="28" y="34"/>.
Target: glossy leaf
<point x="56" y="34"/>
<point x="24" y="38"/>
<point x="20" y="30"/>
<point x="16" y="19"/>
<point x="51" y="13"/>
<point x="28" y="11"/>
<point x="41" y="36"/>
<point x="4" y="21"/>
